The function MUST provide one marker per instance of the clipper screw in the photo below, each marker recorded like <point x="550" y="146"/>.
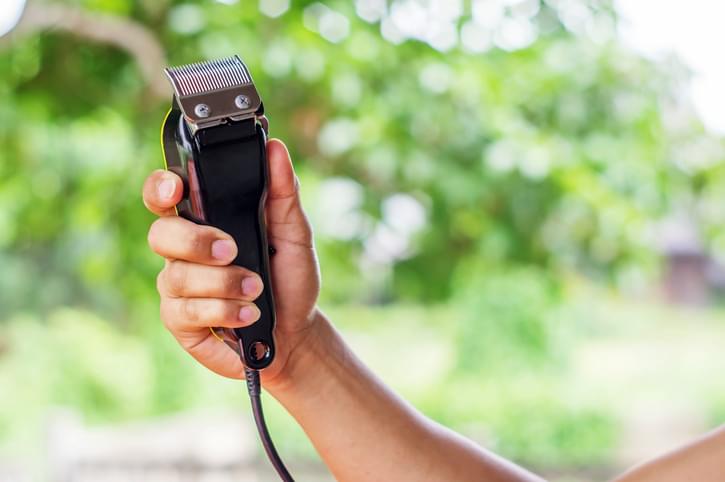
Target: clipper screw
<point x="202" y="111"/>
<point x="243" y="102"/>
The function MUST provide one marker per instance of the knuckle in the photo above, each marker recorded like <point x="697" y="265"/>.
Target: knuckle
<point x="176" y="277"/>
<point x="232" y="282"/>
<point x="220" y="310"/>
<point x="196" y="241"/>
<point x="190" y="310"/>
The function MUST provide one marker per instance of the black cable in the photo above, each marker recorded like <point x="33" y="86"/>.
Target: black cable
<point x="254" y="387"/>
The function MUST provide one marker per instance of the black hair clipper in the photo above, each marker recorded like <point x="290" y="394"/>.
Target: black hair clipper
<point x="214" y="137"/>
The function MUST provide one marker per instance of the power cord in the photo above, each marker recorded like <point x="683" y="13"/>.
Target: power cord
<point x="254" y="387"/>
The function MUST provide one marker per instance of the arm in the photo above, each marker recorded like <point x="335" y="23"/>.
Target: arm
<point x="361" y="429"/>
<point x="703" y="461"/>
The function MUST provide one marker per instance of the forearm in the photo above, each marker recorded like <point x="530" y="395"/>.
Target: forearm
<point x="363" y="431"/>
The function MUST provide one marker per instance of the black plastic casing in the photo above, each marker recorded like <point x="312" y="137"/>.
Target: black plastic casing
<point x="225" y="174"/>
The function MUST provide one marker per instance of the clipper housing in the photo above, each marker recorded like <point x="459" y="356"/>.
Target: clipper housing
<point x="214" y="137"/>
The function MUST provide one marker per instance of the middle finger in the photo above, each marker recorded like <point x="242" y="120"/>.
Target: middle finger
<point x="181" y="279"/>
<point x="177" y="238"/>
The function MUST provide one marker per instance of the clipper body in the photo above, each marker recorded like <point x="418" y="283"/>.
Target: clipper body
<point x="219" y="150"/>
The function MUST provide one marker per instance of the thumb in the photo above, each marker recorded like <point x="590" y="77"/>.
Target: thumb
<point x="286" y="220"/>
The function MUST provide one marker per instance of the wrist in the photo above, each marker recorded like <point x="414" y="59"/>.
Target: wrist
<point x="303" y="366"/>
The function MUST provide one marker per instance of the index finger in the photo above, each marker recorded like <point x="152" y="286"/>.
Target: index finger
<point x="162" y="191"/>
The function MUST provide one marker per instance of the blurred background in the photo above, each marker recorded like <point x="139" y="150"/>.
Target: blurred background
<point x="522" y="199"/>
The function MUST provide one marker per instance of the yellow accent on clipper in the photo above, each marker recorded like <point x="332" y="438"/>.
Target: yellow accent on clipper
<point x="163" y="149"/>
<point x="213" y="332"/>
<point x="161" y="138"/>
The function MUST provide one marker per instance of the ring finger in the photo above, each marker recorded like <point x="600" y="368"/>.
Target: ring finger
<point x="193" y="314"/>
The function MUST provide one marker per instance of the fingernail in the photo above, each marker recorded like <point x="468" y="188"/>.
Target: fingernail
<point x="250" y="286"/>
<point x="222" y="250"/>
<point x="250" y="314"/>
<point x="166" y="189"/>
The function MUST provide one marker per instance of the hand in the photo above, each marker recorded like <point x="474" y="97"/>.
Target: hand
<point x="199" y="289"/>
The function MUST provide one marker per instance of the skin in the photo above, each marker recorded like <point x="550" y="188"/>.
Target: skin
<point x="700" y="461"/>
<point x="361" y="429"/>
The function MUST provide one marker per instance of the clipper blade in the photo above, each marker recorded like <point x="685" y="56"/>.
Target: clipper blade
<point x="210" y="92"/>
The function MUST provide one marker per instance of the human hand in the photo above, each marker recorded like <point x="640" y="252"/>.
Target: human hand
<point x="199" y="287"/>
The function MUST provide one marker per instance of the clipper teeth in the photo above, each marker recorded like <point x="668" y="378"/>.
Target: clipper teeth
<point x="213" y="92"/>
<point x="203" y="77"/>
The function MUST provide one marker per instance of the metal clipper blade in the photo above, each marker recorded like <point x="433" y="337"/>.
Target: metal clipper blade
<point x="210" y="92"/>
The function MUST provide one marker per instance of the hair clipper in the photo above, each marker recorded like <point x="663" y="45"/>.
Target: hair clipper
<point x="214" y="137"/>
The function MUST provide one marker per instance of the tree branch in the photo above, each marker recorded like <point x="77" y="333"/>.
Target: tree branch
<point x="123" y="33"/>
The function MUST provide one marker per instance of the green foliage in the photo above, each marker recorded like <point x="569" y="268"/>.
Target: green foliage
<point x="75" y="359"/>
<point x="526" y="418"/>
<point x="499" y="333"/>
<point x="546" y="434"/>
<point x="78" y="360"/>
<point x="555" y="155"/>
<point x="716" y="415"/>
